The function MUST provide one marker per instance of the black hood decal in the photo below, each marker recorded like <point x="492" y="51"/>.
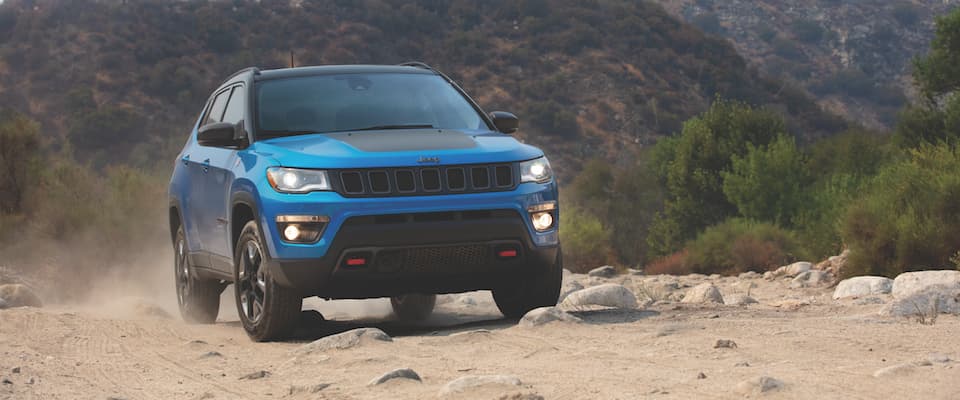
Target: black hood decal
<point x="406" y="140"/>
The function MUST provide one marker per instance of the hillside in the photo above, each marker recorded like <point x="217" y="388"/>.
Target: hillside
<point x="120" y="82"/>
<point x="855" y="57"/>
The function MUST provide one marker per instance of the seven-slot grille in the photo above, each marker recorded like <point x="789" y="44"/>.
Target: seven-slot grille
<point x="419" y="181"/>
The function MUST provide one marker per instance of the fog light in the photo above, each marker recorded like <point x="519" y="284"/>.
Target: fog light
<point x="292" y="232"/>
<point x="542" y="221"/>
<point x="301" y="228"/>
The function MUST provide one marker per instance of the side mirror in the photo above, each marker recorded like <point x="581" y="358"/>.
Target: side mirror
<point x="221" y="134"/>
<point x="505" y="122"/>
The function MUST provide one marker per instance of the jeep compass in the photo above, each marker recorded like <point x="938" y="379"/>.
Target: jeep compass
<point x="355" y="182"/>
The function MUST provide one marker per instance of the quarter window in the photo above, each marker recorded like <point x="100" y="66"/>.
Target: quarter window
<point x="216" y="110"/>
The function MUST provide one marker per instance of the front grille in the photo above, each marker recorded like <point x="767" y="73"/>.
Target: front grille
<point x="433" y="259"/>
<point x="419" y="181"/>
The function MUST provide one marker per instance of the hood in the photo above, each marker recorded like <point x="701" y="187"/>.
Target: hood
<point x="395" y="148"/>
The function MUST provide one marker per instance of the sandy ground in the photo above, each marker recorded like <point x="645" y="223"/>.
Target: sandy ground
<point x="126" y="349"/>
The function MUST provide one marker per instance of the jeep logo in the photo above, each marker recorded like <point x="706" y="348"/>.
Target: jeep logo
<point x="424" y="160"/>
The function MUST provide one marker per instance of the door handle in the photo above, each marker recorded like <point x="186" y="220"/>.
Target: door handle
<point x="206" y="165"/>
<point x="185" y="159"/>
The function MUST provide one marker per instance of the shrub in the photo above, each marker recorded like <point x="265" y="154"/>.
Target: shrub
<point x="674" y="264"/>
<point x="767" y="184"/>
<point x="908" y="217"/>
<point x="586" y="243"/>
<point x="739" y="245"/>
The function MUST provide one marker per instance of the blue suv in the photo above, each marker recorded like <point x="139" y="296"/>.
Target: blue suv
<point x="354" y="182"/>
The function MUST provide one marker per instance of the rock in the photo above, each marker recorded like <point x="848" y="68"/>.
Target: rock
<point x="769" y="275"/>
<point x="868" y="301"/>
<point x="256" y="375"/>
<point x="569" y="287"/>
<point x="909" y="283"/>
<point x="544" y="315"/>
<point x="896" y="370"/>
<point x="6" y="381"/>
<point x="794" y="269"/>
<point x="606" y="295"/>
<point x="467" y="300"/>
<point x="307" y="389"/>
<point x="468" y="382"/>
<point x="211" y="354"/>
<point x="703" y="293"/>
<point x="725" y="344"/>
<point x="402" y="373"/>
<point x="605" y="271"/>
<point x="863" y="286"/>
<point x="3" y="303"/>
<point x="834" y="265"/>
<point x="749" y="275"/>
<point x="344" y="340"/>
<point x="738" y="300"/>
<point x="932" y="300"/>
<point x="938" y="358"/>
<point x="758" y="385"/>
<point x="18" y="295"/>
<point x="742" y="364"/>
<point x="810" y="278"/>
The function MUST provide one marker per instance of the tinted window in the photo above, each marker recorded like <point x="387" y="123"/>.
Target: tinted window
<point x="234" y="111"/>
<point x="332" y="103"/>
<point x="216" y="110"/>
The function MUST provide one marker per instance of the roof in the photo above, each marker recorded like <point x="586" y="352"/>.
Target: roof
<point x="339" y="69"/>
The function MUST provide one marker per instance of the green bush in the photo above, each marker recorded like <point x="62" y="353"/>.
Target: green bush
<point x="739" y="245"/>
<point x="908" y="217"/>
<point x="767" y="184"/>
<point x="586" y="242"/>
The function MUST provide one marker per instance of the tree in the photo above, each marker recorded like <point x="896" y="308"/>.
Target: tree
<point x="694" y="164"/>
<point x="767" y="183"/>
<point x="19" y="149"/>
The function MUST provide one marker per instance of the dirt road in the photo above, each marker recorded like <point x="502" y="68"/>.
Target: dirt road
<point x="817" y="347"/>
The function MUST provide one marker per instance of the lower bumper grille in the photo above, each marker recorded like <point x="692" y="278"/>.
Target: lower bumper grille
<point x="433" y="259"/>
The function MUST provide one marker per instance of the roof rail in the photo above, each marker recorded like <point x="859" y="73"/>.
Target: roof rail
<point x="418" y="64"/>
<point x="256" y="71"/>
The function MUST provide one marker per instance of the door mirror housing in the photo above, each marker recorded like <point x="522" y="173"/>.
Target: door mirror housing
<point x="505" y="122"/>
<point x="221" y="134"/>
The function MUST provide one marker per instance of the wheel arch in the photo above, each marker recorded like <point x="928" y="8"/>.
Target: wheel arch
<point x="243" y="209"/>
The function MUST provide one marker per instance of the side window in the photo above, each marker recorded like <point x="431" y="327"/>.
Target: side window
<point x="216" y="110"/>
<point x="234" y="112"/>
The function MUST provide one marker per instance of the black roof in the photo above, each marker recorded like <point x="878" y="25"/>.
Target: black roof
<point x="339" y="69"/>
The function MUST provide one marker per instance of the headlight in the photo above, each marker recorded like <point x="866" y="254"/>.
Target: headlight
<point x="290" y="180"/>
<point x="537" y="170"/>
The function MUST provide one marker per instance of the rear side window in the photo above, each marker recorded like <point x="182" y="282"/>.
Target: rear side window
<point x="216" y="110"/>
<point x="234" y="111"/>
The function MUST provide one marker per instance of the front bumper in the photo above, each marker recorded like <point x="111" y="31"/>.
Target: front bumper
<point x="428" y="244"/>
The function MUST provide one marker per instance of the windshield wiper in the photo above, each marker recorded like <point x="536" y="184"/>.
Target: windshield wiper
<point x="386" y="127"/>
<point x="286" y="133"/>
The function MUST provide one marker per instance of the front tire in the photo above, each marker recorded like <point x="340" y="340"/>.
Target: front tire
<point x="199" y="299"/>
<point x="268" y="311"/>
<point x="539" y="288"/>
<point x="413" y="307"/>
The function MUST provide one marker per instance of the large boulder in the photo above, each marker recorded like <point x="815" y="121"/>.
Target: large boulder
<point x="932" y="300"/>
<point x="344" y="340"/>
<point x="545" y="315"/>
<point x="606" y="295"/>
<point x="605" y="271"/>
<point x="702" y="294"/>
<point x="569" y="287"/>
<point x="909" y="283"/>
<point x="18" y="295"/>
<point x="861" y="286"/>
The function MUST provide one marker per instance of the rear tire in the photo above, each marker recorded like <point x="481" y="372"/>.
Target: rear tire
<point x="539" y="288"/>
<point x="413" y="307"/>
<point x="199" y="299"/>
<point x="268" y="311"/>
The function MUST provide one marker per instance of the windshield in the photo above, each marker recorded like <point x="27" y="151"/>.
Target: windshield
<point x="348" y="102"/>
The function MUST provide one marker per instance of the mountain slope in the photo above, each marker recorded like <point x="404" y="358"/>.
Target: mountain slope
<point x="122" y="81"/>
<point x="855" y="57"/>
